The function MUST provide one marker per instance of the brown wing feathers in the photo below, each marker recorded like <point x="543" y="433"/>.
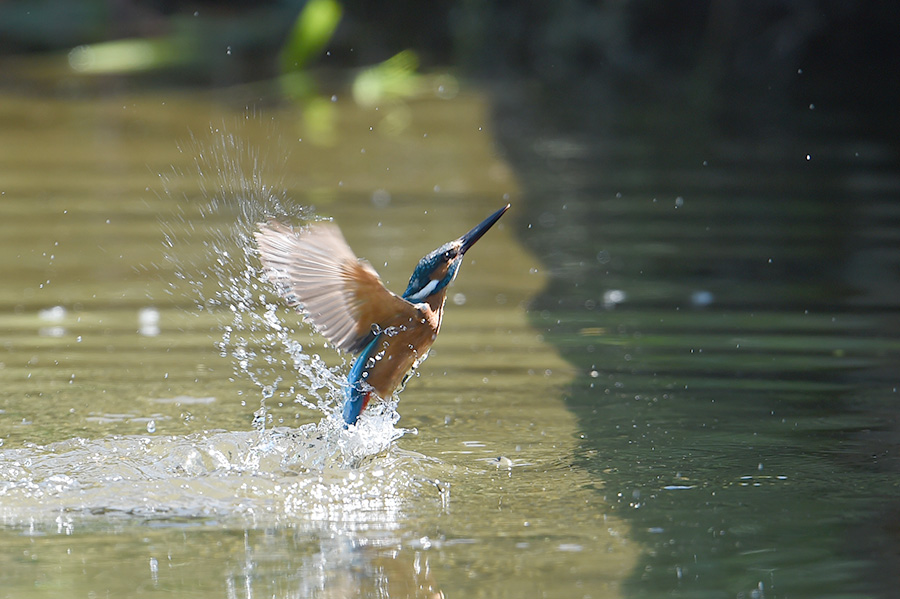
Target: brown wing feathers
<point x="316" y="271"/>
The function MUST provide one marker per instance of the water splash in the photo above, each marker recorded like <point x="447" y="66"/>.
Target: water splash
<point x="279" y="475"/>
<point x="212" y="253"/>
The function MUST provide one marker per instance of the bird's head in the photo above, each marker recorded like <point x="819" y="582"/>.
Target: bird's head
<point x="438" y="269"/>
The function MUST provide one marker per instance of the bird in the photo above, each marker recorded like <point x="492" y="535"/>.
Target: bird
<point x="314" y="270"/>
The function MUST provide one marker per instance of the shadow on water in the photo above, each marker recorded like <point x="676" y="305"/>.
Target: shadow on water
<point x="729" y="299"/>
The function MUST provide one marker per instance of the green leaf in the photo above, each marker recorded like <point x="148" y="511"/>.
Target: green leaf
<point x="312" y="30"/>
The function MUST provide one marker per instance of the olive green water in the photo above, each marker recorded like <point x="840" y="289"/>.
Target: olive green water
<point x="690" y="385"/>
<point x="130" y="463"/>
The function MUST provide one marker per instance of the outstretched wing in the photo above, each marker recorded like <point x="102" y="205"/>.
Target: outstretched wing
<point x="315" y="270"/>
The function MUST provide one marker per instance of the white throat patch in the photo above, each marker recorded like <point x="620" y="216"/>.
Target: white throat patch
<point x="426" y="291"/>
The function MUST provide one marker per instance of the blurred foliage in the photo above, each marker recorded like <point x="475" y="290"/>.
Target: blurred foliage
<point x="129" y="55"/>
<point x="578" y="53"/>
<point x="708" y="51"/>
<point x="394" y="78"/>
<point x="312" y="31"/>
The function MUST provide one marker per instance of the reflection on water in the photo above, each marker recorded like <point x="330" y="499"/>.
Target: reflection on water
<point x="730" y="302"/>
<point x="185" y="558"/>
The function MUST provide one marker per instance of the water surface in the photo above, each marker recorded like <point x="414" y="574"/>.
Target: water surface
<point x="670" y="370"/>
<point x="729" y="296"/>
<point x="157" y="434"/>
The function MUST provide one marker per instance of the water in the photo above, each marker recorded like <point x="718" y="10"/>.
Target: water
<point x="729" y="300"/>
<point x="169" y="426"/>
<point x="656" y="375"/>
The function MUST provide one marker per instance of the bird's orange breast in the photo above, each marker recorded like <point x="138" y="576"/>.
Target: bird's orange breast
<point x="401" y="346"/>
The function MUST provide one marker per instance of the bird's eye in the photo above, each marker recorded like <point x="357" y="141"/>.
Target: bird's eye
<point x="447" y="255"/>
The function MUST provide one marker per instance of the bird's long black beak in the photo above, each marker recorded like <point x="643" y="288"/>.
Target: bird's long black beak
<point x="469" y="239"/>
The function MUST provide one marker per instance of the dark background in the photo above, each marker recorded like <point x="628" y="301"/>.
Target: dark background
<point x="705" y="50"/>
<point x="737" y="66"/>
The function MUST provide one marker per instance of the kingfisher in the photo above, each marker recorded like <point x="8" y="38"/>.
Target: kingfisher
<point x="315" y="271"/>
